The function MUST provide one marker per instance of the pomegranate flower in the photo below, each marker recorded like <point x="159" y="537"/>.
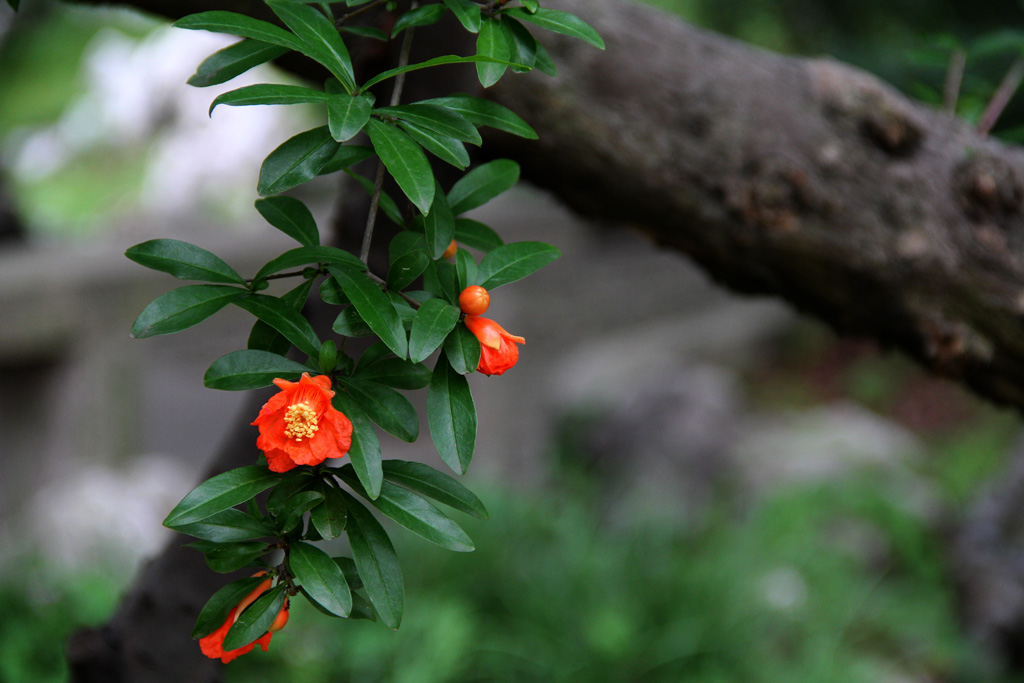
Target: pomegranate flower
<point x="498" y="350"/>
<point x="213" y="644"/>
<point x="299" y="426"/>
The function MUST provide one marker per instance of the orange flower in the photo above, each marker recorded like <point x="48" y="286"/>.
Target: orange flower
<point x="498" y="350"/>
<point x="298" y="425"/>
<point x="213" y="644"/>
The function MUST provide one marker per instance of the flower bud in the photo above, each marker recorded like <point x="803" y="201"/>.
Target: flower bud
<point x="474" y="300"/>
<point x="281" y="619"/>
<point x="450" y="251"/>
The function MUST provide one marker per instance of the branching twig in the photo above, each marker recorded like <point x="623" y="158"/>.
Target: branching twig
<point x="954" y="77"/>
<point x="1002" y="97"/>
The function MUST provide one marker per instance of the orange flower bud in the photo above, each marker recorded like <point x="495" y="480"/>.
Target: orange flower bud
<point x="498" y="350"/>
<point x="450" y="251"/>
<point x="212" y="645"/>
<point x="299" y="426"/>
<point x="474" y="300"/>
<point x="280" y="620"/>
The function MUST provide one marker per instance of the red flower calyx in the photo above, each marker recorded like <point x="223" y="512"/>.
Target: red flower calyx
<point x="498" y="348"/>
<point x="299" y="426"/>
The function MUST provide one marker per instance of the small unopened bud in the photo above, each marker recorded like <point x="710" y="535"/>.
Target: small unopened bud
<point x="474" y="300"/>
<point x="450" y="251"/>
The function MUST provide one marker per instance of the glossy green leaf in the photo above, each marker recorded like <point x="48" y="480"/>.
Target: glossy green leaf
<point x="436" y="61"/>
<point x="330" y="292"/>
<point x="227" y="527"/>
<point x="434" y="320"/>
<point x="321" y="578"/>
<point x="347" y="114"/>
<point x="559" y="22"/>
<point x="221" y="492"/>
<point x="321" y="40"/>
<point x="448" y="150"/>
<point x="184" y="261"/>
<point x="405" y="161"/>
<point x="347" y="155"/>
<point x="467" y="12"/>
<point x="365" y="450"/>
<point x="481" y="112"/>
<point x="511" y="262"/>
<point x="348" y="568"/>
<point x="451" y="416"/>
<point x="530" y="5"/>
<point x="302" y="256"/>
<point x="465" y="269"/>
<point x="283" y="318"/>
<point x="183" y="307"/>
<point x="295" y="508"/>
<point x="475" y="234"/>
<point x="292" y="217"/>
<point x="240" y="25"/>
<point x="395" y="372"/>
<point x="387" y="204"/>
<point x="266" y="93"/>
<point x="439" y="225"/>
<point x="296" y="161"/>
<point x="544" y="63"/>
<point x="416" y="514"/>
<point x="376" y="562"/>
<point x="234" y="60"/>
<point x="350" y="324"/>
<point x="426" y="480"/>
<point x="482" y="184"/>
<point x="225" y="558"/>
<point x="390" y="410"/>
<point x="491" y="42"/>
<point x="256" y="619"/>
<point x="421" y="16"/>
<point x="330" y="516"/>
<point x="366" y="32"/>
<point x="403" y="243"/>
<point x="374" y="307"/>
<point x="436" y="118"/>
<point x="407" y="268"/>
<point x="263" y="337"/>
<point x="462" y="349"/>
<point x="291" y="483"/>
<point x="220" y="604"/>
<point x="522" y="45"/>
<point x="250" y="369"/>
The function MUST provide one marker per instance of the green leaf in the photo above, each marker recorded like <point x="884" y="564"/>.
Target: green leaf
<point x="184" y="261"/>
<point x="462" y="349"/>
<point x="234" y="60"/>
<point x="283" y="318"/>
<point x="14" y="4"/>
<point x="491" y="42"/>
<point x="291" y="483"/>
<point x="322" y="579"/>
<point x="530" y="5"/>
<point x="437" y="118"/>
<point x="436" y="61"/>
<point x="263" y="337"/>
<point x="511" y="262"/>
<point x="394" y="372"/>
<point x="240" y="25"/>
<point x="295" y="508"/>
<point x="439" y="225"/>
<point x="330" y="292"/>
<point x="544" y="63"/>
<point x="320" y="39"/>
<point x="365" y="450"/>
<point x="366" y="32"/>
<point x="296" y="161"/>
<point x="301" y="256"/>
<point x="482" y="184"/>
<point x="376" y="562"/>
<point x="405" y="161"/>
<point x="290" y="216"/>
<point x="475" y="234"/>
<point x="451" y="416"/>
<point x="227" y="527"/>
<point x="219" y="493"/>
<point x="465" y="269"/>
<point x="350" y="324"/>
<point x="391" y="411"/>
<point x="481" y="112"/>
<point x="256" y="619"/>
<point x="522" y="44"/>
<point x="435" y="319"/>
<point x="467" y="12"/>
<point x="403" y="243"/>
<point x="416" y="514"/>
<point x="348" y="568"/>
<point x="182" y="308"/>
<point x="386" y="202"/>
<point x="559" y="22"/>
<point x="434" y="484"/>
<point x="421" y="16"/>
<point x="407" y="268"/>
<point x="266" y="93"/>
<point x="225" y="558"/>
<point x="347" y="155"/>
<point x="220" y="604"/>
<point x="374" y="307"/>
<point x="330" y="516"/>
<point x="347" y="114"/>
<point x="443" y="147"/>
<point x="250" y="369"/>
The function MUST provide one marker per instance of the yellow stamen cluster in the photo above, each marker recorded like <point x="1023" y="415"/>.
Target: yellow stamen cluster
<point x="301" y="420"/>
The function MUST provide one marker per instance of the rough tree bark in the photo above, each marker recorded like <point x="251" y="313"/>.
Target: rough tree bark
<point x="801" y="178"/>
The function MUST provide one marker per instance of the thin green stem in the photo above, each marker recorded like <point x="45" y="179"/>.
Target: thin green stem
<point x="355" y="13"/>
